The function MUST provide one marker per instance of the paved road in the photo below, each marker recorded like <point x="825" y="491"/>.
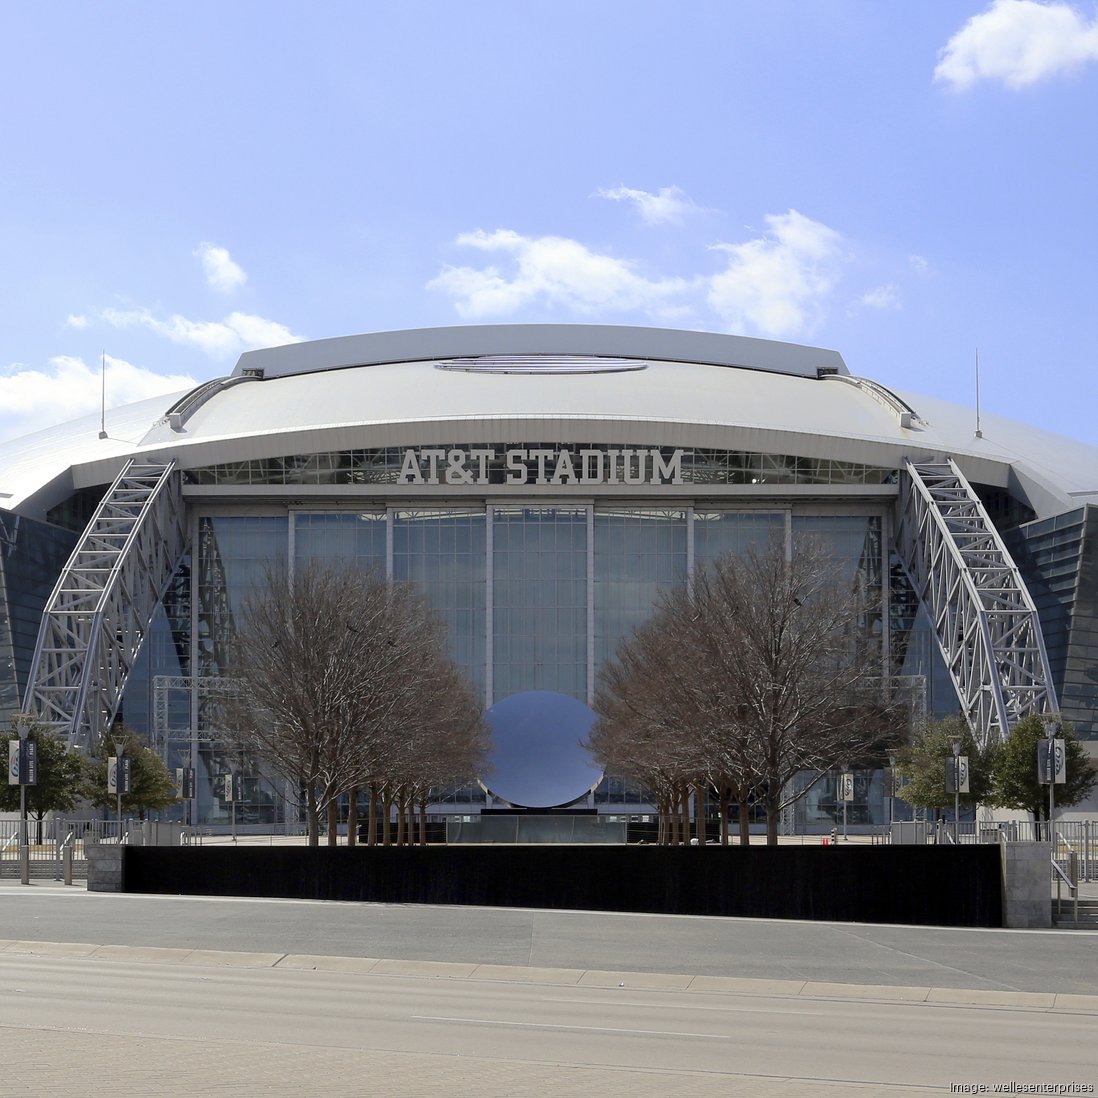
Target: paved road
<point x="119" y="995"/>
<point x="1036" y="961"/>
<point x="218" y="1025"/>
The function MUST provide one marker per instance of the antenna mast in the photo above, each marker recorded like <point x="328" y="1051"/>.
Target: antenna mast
<point x="979" y="433"/>
<point x="103" y="395"/>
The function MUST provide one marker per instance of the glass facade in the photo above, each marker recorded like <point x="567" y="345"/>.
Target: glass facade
<point x="1059" y="559"/>
<point x="32" y="555"/>
<point x="637" y="554"/>
<point x="539" y="600"/>
<point x="533" y="597"/>
<point x="720" y="532"/>
<point x="443" y="553"/>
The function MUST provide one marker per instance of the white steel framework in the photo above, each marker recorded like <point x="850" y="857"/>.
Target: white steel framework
<point x="99" y="613"/>
<point x="202" y="687"/>
<point x="985" y="621"/>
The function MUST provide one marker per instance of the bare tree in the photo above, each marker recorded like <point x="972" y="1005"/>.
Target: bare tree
<point x="337" y="671"/>
<point x="763" y="669"/>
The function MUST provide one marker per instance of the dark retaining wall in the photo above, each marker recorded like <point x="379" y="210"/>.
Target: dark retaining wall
<point x="932" y="885"/>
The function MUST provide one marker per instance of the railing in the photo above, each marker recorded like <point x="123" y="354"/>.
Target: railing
<point x="1071" y="880"/>
<point x="1072" y="837"/>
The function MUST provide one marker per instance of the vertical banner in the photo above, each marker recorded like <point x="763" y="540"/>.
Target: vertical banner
<point x="1051" y="762"/>
<point x="846" y="787"/>
<point x="957" y="774"/>
<point x="185" y="782"/>
<point x="22" y="762"/>
<point x="234" y="787"/>
<point x="119" y="777"/>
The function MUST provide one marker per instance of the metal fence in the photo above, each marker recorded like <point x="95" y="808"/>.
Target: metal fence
<point x="48" y="841"/>
<point x="1078" y="837"/>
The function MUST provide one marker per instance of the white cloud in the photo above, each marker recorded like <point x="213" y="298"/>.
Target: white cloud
<point x="670" y="204"/>
<point x="551" y="270"/>
<point x="69" y="388"/>
<point x="222" y="274"/>
<point x="882" y="297"/>
<point x="75" y="321"/>
<point x="226" y="338"/>
<point x="1018" y="42"/>
<point x="918" y="264"/>
<point x="776" y="284"/>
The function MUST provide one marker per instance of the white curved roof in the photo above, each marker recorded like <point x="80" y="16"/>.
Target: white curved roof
<point x="582" y="384"/>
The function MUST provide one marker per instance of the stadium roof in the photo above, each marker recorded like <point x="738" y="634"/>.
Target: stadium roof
<point x="577" y="383"/>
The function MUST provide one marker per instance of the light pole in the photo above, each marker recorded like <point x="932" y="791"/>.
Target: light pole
<point x="118" y="786"/>
<point x="847" y="784"/>
<point x="956" y="790"/>
<point x="1050" y="729"/>
<point x="23" y="732"/>
<point x="891" y="792"/>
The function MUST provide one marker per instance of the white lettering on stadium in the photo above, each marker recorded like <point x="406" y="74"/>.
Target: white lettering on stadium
<point x="523" y="465"/>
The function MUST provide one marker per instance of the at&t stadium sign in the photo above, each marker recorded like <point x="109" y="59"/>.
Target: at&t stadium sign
<point x="540" y="465"/>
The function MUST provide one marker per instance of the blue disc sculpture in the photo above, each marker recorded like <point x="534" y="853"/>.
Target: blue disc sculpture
<point x="537" y="758"/>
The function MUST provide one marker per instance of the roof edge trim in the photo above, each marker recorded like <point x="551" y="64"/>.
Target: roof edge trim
<point x="589" y="340"/>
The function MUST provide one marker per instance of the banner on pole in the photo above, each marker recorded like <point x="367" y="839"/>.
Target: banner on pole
<point x="956" y="772"/>
<point x="1051" y="761"/>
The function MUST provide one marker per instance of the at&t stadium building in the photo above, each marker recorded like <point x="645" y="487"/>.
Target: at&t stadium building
<point x="540" y="484"/>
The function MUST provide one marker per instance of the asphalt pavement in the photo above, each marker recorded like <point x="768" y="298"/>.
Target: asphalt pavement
<point x="1034" y="961"/>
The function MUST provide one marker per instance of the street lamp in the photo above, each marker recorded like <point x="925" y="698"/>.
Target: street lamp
<point x="891" y="787"/>
<point x="956" y="790"/>
<point x="118" y="786"/>
<point x="1050" y="731"/>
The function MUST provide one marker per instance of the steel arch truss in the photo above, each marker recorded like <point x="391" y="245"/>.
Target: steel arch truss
<point x="100" y="611"/>
<point x="985" y="621"/>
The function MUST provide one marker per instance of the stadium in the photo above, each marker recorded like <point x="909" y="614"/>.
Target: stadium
<point x="540" y="484"/>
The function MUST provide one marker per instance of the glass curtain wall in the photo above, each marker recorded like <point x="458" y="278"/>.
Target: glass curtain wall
<point x="720" y="532"/>
<point x="325" y="538"/>
<point x="539" y="608"/>
<point x="534" y="597"/>
<point x="443" y="553"/>
<point x="637" y="554"/>
<point x="235" y="554"/>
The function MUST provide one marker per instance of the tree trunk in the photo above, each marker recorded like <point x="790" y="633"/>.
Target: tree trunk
<point x="352" y="816"/>
<point x="773" y="811"/>
<point x="423" y="818"/>
<point x="744" y="812"/>
<point x="724" y="799"/>
<point x="371" y="826"/>
<point x="386" y="812"/>
<point x="312" y="816"/>
<point x="401" y="803"/>
<point x="333" y="822"/>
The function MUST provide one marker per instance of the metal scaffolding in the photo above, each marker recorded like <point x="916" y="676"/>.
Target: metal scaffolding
<point x="985" y="621"/>
<point x="100" y="611"/>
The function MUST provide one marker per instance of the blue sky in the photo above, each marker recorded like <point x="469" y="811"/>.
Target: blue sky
<point x="902" y="181"/>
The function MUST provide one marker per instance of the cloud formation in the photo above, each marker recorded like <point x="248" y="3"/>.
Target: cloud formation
<point x="1018" y="42"/>
<point x="774" y="285"/>
<point x="70" y="388"/>
<point x="668" y="205"/>
<point x="882" y="297"/>
<point x="222" y="274"/>
<point x="237" y="333"/>
<point x="555" y="271"/>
